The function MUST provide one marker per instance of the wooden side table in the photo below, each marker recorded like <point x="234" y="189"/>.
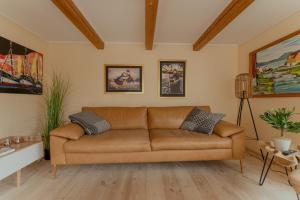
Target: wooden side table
<point x="289" y="161"/>
<point x="25" y="153"/>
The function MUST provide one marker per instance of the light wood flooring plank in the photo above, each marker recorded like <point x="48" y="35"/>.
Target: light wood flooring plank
<point x="207" y="180"/>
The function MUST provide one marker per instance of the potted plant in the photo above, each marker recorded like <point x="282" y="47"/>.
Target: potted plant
<point x="54" y="108"/>
<point x="281" y="119"/>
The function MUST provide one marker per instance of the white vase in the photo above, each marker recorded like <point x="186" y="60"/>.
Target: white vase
<point x="282" y="143"/>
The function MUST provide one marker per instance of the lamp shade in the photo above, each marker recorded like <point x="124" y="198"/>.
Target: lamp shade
<point x="242" y="85"/>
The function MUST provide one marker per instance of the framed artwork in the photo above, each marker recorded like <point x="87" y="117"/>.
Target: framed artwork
<point x="21" y="69"/>
<point x="124" y="78"/>
<point x="172" y="78"/>
<point x="275" y="68"/>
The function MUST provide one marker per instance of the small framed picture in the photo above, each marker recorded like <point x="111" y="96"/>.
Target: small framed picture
<point x="172" y="78"/>
<point x="123" y="78"/>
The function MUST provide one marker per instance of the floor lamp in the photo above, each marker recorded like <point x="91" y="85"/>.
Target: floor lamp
<point x="242" y="91"/>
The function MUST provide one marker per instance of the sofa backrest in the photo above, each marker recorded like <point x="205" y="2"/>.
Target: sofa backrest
<point x="122" y="117"/>
<point x="169" y="117"/>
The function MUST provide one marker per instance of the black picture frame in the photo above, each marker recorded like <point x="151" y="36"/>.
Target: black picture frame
<point x="124" y="79"/>
<point x="172" y="75"/>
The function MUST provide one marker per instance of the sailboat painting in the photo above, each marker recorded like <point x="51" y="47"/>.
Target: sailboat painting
<point x="21" y="69"/>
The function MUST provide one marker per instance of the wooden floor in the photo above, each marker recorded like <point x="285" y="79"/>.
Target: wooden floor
<point x="206" y="180"/>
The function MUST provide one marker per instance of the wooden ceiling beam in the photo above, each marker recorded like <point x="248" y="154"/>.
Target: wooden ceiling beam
<point x="71" y="11"/>
<point x="150" y="21"/>
<point x="234" y="9"/>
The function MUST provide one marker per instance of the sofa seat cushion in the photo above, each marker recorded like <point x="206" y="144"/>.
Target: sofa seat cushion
<point x="135" y="140"/>
<point x="171" y="139"/>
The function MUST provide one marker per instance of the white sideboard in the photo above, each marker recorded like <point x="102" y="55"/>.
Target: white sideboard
<point x="25" y="154"/>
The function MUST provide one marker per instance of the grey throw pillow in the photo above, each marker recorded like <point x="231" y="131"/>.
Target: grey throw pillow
<point x="201" y="121"/>
<point x="90" y="122"/>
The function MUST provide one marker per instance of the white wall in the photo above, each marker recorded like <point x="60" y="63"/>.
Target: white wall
<point x="20" y="113"/>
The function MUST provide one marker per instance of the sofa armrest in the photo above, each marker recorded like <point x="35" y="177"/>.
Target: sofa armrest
<point x="58" y="155"/>
<point x="70" y="131"/>
<point x="238" y="146"/>
<point x="226" y="129"/>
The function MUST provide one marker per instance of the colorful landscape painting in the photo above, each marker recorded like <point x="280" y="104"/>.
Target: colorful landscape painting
<point x="21" y="69"/>
<point x="276" y="68"/>
<point x="124" y="78"/>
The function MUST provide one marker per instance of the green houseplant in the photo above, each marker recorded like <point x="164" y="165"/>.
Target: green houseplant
<point x="54" y="108"/>
<point x="280" y="118"/>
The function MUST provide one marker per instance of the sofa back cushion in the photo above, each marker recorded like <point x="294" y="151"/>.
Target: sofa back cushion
<point x="169" y="117"/>
<point x="122" y="117"/>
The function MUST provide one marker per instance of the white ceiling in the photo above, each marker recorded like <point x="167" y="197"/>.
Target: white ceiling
<point x="41" y="17"/>
<point x="182" y="21"/>
<point x="115" y="20"/>
<point x="178" y="21"/>
<point x="259" y="16"/>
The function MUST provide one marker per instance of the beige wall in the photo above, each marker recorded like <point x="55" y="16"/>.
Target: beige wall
<point x="262" y="104"/>
<point x="20" y="114"/>
<point x="210" y="74"/>
<point x="210" y="77"/>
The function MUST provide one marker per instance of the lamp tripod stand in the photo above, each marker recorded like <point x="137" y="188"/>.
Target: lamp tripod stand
<point x="239" y="117"/>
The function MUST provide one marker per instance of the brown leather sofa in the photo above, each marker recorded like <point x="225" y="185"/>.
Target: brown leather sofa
<point x="141" y="134"/>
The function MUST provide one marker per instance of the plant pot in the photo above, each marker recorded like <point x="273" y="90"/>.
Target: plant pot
<point x="47" y="154"/>
<point x="282" y="143"/>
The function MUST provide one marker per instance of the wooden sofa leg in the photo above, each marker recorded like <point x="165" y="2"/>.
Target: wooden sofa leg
<point x="242" y="166"/>
<point x="54" y="170"/>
